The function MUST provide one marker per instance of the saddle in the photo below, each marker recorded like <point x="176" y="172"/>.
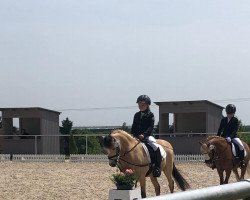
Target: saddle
<point x="151" y="153"/>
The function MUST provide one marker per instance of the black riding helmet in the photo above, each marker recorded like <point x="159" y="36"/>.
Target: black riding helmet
<point x="230" y="109"/>
<point x="144" y="98"/>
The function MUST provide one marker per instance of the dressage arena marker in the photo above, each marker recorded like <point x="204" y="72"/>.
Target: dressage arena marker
<point x="38" y="158"/>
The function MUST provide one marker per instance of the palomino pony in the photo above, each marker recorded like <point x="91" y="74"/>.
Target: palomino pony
<point x="220" y="152"/>
<point x="126" y="152"/>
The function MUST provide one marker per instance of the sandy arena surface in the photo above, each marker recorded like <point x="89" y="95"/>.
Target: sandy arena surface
<point x="81" y="180"/>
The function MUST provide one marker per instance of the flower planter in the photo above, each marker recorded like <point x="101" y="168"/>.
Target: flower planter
<point x="125" y="194"/>
<point x="124" y="187"/>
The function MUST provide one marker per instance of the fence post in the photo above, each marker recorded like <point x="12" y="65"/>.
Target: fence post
<point x="86" y="145"/>
<point x="35" y="144"/>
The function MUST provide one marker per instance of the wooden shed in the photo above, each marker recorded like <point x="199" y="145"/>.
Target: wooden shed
<point x="192" y="121"/>
<point x="35" y="126"/>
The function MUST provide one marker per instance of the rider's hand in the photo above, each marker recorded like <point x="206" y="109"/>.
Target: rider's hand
<point x="141" y="137"/>
<point x="228" y="139"/>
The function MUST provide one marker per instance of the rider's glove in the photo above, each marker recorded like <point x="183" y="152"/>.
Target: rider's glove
<point x="228" y="139"/>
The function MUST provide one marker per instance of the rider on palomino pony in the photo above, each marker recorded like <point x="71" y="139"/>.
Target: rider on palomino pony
<point x="142" y="128"/>
<point x="228" y="129"/>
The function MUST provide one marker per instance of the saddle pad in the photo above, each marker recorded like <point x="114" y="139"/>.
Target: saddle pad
<point x="163" y="152"/>
<point x="234" y="151"/>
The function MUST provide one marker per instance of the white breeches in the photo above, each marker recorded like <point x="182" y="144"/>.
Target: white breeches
<point x="152" y="142"/>
<point x="238" y="142"/>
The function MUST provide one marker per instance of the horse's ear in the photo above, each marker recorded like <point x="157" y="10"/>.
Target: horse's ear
<point x="201" y="143"/>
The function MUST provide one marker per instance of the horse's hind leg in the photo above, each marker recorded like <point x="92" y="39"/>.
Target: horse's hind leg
<point x="168" y="173"/>
<point x="156" y="185"/>
<point x="235" y="171"/>
<point x="242" y="174"/>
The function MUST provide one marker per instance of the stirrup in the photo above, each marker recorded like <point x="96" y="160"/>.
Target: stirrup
<point x="156" y="172"/>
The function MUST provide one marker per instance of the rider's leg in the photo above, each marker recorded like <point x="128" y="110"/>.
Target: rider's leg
<point x="238" y="142"/>
<point x="158" y="158"/>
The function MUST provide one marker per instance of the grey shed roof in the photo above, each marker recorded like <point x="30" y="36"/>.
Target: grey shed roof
<point x="187" y="102"/>
<point x="29" y="108"/>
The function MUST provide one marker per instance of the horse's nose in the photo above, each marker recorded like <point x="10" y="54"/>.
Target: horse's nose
<point x="112" y="164"/>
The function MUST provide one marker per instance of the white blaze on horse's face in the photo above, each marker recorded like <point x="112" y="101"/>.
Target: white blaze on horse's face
<point x="211" y="147"/>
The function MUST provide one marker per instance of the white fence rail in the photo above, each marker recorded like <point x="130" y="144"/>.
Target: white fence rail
<point x="4" y="157"/>
<point x="38" y="158"/>
<point x="232" y="191"/>
<point x="104" y="158"/>
<point x="82" y="158"/>
<point x="88" y="158"/>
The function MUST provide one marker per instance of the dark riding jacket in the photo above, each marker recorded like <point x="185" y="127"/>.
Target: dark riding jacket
<point x="228" y="129"/>
<point x="143" y="123"/>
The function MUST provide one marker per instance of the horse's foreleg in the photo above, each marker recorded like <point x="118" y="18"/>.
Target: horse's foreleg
<point x="220" y="172"/>
<point x="228" y="173"/>
<point x="156" y="185"/>
<point x="143" y="187"/>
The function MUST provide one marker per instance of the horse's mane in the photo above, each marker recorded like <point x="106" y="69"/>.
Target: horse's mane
<point x="119" y="131"/>
<point x="217" y="138"/>
<point x="212" y="137"/>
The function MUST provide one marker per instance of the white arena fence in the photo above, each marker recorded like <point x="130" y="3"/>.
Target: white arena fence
<point x="83" y="158"/>
<point x="231" y="191"/>
<point x="104" y="158"/>
<point x="38" y="158"/>
<point x="4" y="157"/>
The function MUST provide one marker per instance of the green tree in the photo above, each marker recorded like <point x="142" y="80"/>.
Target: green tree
<point x="244" y="137"/>
<point x="72" y="145"/>
<point x="125" y="127"/>
<point x="93" y="142"/>
<point x="65" y="129"/>
<point x="66" y="126"/>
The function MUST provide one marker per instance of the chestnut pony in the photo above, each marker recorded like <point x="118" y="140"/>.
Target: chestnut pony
<point x="220" y="152"/>
<point x="127" y="152"/>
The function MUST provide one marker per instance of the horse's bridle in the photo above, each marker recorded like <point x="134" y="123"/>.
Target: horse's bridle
<point x="117" y="157"/>
<point x="214" y="154"/>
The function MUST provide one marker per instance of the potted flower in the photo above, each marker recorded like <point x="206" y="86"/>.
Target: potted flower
<point x="124" y="181"/>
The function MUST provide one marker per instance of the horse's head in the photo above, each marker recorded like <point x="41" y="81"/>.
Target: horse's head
<point x="111" y="147"/>
<point x="207" y="149"/>
<point x="213" y="147"/>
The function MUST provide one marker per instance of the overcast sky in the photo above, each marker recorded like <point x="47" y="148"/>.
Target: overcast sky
<point x="78" y="54"/>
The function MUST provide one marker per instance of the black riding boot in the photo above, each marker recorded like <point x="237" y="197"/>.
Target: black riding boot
<point x="157" y="167"/>
<point x="242" y="161"/>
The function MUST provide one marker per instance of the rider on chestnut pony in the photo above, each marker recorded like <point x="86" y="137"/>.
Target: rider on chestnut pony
<point x="228" y="129"/>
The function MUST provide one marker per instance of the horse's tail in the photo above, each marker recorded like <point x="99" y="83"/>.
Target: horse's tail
<point x="179" y="179"/>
